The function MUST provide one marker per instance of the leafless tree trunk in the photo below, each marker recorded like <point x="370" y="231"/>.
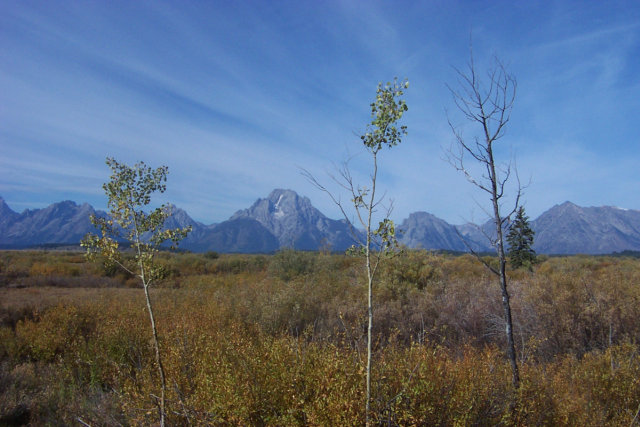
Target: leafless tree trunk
<point x="488" y="103"/>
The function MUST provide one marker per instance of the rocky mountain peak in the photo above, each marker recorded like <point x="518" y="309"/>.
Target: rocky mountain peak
<point x="61" y="222"/>
<point x="180" y="218"/>
<point x="281" y="206"/>
<point x="426" y="231"/>
<point x="568" y="228"/>
<point x="278" y="194"/>
<point x="5" y="210"/>
<point x="295" y="222"/>
<point x="422" y="216"/>
<point x="568" y="205"/>
<point x="7" y="216"/>
<point x="566" y="208"/>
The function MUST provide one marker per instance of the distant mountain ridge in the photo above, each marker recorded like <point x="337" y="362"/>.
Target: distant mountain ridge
<point x="286" y="220"/>
<point x="568" y="229"/>
<point x="63" y="222"/>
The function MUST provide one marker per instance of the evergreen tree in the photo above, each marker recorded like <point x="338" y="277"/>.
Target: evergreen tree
<point x="520" y="239"/>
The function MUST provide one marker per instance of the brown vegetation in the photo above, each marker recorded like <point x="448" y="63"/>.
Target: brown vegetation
<point x="281" y="340"/>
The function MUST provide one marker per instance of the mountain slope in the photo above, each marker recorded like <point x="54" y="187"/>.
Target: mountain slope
<point x="426" y="231"/>
<point x="63" y="222"/>
<point x="244" y="235"/>
<point x="296" y="223"/>
<point x="181" y="219"/>
<point x="7" y="217"/>
<point x="571" y="229"/>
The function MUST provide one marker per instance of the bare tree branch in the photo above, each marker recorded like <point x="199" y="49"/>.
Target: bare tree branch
<point x="336" y="200"/>
<point x="489" y="107"/>
<point x="386" y="111"/>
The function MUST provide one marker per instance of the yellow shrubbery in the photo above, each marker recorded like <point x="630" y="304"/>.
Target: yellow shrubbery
<point x="260" y="340"/>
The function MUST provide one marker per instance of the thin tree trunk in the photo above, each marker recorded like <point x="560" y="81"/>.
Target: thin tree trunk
<point x="156" y="344"/>
<point x="385" y="111"/>
<point x="490" y="107"/>
<point x="511" y="349"/>
<point x="158" y="358"/>
<point x="506" y="305"/>
<point x="369" y="334"/>
<point x="370" y="290"/>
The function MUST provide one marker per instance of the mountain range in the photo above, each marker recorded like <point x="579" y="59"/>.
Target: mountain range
<point x="286" y="220"/>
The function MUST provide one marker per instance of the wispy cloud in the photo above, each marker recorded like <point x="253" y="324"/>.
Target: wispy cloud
<point x="233" y="97"/>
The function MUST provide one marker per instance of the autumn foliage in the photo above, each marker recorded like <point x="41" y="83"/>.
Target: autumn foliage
<point x="281" y="340"/>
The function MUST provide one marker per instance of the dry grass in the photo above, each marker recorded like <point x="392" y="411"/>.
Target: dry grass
<point x="41" y="297"/>
<point x="279" y="340"/>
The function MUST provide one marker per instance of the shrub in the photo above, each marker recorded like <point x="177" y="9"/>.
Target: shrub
<point x="287" y="264"/>
<point x="244" y="346"/>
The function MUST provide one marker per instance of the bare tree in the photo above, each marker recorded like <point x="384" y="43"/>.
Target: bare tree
<point x="487" y="102"/>
<point x="381" y="132"/>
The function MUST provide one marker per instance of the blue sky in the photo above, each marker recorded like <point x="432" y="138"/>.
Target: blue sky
<point x="236" y="96"/>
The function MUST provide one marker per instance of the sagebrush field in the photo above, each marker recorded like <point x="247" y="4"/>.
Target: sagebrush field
<point x="279" y="340"/>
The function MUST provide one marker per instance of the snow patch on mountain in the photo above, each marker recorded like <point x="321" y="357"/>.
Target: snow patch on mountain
<point x="279" y="212"/>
